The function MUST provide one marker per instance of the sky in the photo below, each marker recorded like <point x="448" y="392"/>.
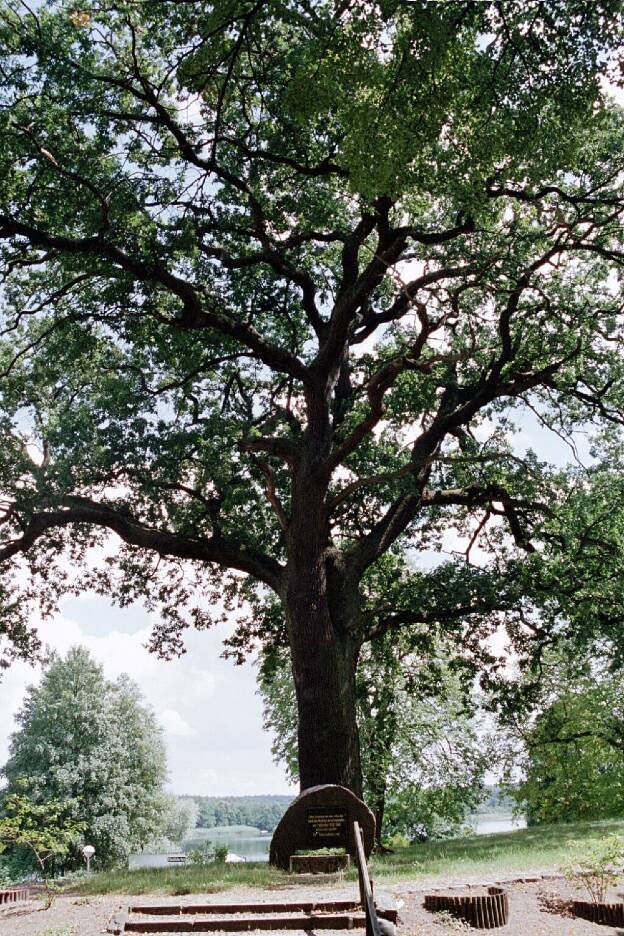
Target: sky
<point x="207" y="706"/>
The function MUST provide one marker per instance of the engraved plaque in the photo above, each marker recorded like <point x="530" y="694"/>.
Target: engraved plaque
<point x="327" y="827"/>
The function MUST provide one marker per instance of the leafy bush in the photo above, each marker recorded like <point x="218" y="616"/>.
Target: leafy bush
<point x="6" y="877"/>
<point x="598" y="869"/>
<point x="221" y="853"/>
<point x="396" y="841"/>
<point x="207" y="853"/>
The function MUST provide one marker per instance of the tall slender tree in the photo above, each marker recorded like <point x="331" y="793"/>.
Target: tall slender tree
<point x="275" y="277"/>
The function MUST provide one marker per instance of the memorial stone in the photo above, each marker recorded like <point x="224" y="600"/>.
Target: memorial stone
<point x="321" y="817"/>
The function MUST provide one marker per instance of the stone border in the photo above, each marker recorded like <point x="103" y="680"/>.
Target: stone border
<point x="319" y="864"/>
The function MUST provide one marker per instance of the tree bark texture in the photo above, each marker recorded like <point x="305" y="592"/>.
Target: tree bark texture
<point x="324" y="652"/>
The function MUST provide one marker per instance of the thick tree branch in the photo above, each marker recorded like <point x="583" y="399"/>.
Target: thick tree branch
<point x="408" y="617"/>
<point x="587" y="198"/>
<point x="450" y="416"/>
<point x="271" y="493"/>
<point x="278" y="446"/>
<point x="194" y="314"/>
<point x="82" y="510"/>
<point x="405" y="301"/>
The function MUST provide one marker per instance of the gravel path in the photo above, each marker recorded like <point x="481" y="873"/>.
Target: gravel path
<point x="531" y="910"/>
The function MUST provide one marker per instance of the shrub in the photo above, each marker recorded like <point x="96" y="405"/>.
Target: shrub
<point x="207" y="853"/>
<point x="598" y="869"/>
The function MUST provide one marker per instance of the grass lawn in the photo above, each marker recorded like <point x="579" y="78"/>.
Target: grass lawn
<point x="540" y="848"/>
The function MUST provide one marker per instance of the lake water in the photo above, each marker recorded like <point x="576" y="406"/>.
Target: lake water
<point x="487" y="825"/>
<point x="256" y="847"/>
<point x="245" y="845"/>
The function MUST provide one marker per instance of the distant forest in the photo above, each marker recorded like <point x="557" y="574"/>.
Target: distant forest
<point x="262" y="812"/>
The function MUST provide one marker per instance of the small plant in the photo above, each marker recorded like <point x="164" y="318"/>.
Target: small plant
<point x="598" y="869"/>
<point x="451" y="923"/>
<point x="202" y="855"/>
<point x="320" y="851"/>
<point x="82" y="901"/>
<point x="220" y="854"/>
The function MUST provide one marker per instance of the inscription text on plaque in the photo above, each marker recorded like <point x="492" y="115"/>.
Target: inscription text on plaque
<point x="327" y="827"/>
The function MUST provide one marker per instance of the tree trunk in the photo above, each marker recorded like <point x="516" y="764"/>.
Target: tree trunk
<point x="380" y="807"/>
<point x="324" y="660"/>
<point x="324" y="671"/>
<point x="324" y="653"/>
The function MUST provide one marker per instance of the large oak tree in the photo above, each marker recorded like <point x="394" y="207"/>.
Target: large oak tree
<point x="276" y="274"/>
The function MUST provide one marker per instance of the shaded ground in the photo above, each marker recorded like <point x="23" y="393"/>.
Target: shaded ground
<point x="531" y="910"/>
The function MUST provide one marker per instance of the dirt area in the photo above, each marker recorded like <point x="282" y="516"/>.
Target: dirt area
<point x="534" y="910"/>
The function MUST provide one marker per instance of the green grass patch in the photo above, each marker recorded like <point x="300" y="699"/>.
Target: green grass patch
<point x="536" y="849"/>
<point x="207" y="879"/>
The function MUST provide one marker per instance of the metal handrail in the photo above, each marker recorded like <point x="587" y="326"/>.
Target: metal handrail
<point x="366" y="888"/>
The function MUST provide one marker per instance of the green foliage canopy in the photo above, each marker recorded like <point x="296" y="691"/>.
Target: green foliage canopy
<point x="46" y="832"/>
<point x="278" y="280"/>
<point x="574" y="750"/>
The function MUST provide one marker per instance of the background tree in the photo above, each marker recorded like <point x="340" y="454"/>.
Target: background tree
<point x="572" y="755"/>
<point x="277" y="280"/>
<point x="94" y="746"/>
<point x="181" y="819"/>
<point x="423" y="756"/>
<point x="263" y="812"/>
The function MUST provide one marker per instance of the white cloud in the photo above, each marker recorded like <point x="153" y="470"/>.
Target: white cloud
<point x="175" y="725"/>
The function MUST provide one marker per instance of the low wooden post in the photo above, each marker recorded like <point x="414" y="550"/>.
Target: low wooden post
<point x="366" y="888"/>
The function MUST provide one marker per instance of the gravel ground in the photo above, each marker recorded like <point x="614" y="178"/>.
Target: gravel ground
<point x="532" y="910"/>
